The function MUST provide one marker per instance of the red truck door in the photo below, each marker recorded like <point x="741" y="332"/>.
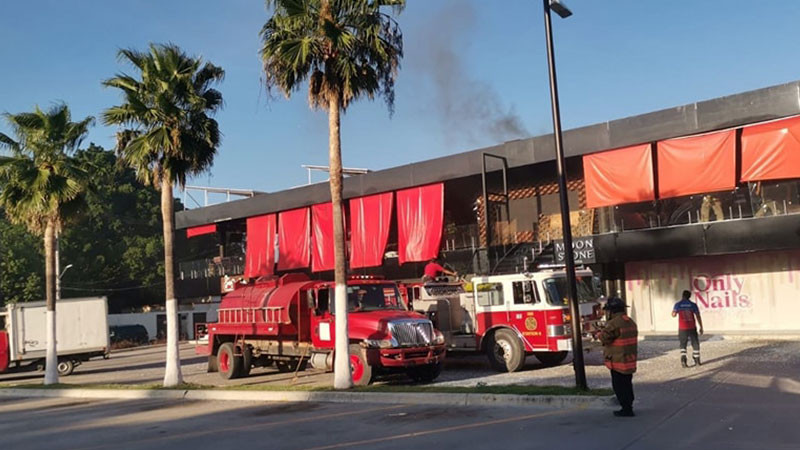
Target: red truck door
<point x="322" y="326"/>
<point x="526" y="314"/>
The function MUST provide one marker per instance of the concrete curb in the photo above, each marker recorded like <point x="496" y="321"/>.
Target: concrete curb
<point x="410" y="398"/>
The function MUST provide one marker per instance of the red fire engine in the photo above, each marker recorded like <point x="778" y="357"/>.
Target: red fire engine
<point x="289" y="321"/>
<point x="508" y="316"/>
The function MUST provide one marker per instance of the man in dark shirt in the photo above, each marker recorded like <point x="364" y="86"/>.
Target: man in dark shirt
<point x="434" y="270"/>
<point x="687" y="310"/>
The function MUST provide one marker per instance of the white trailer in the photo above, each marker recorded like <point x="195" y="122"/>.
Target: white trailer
<point x="81" y="333"/>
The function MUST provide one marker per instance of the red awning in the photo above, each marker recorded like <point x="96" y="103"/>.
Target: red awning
<point x="370" y="218"/>
<point x="695" y="165"/>
<point x="201" y="230"/>
<point x="293" y="239"/>
<point x="771" y="151"/>
<point x="322" y="237"/>
<point x="420" y="217"/>
<point x="260" y="252"/>
<point x="619" y="176"/>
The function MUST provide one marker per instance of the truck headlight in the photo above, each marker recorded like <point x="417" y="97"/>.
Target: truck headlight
<point x="380" y="343"/>
<point x="438" y="337"/>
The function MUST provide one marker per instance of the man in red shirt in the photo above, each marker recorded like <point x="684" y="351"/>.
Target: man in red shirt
<point x="687" y="310"/>
<point x="434" y="270"/>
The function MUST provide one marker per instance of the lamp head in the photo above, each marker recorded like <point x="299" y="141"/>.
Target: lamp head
<point x="560" y="9"/>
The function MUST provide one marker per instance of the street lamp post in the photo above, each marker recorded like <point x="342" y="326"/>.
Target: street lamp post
<point x="572" y="290"/>
<point x="59" y="273"/>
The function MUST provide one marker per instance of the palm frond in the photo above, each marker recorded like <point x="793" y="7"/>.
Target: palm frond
<point x="351" y="49"/>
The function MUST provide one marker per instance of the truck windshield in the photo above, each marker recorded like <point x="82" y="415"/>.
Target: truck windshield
<point x="372" y="297"/>
<point x="556" y="290"/>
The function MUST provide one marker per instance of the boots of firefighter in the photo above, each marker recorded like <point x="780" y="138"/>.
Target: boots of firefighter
<point x="683" y="361"/>
<point x="696" y="360"/>
<point x="625" y="412"/>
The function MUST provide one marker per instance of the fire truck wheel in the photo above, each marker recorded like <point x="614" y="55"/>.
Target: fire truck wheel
<point x="65" y="367"/>
<point x="247" y="361"/>
<point x="359" y="367"/>
<point x="550" y="358"/>
<point x="505" y="351"/>
<point x="425" y="374"/>
<point x="230" y="365"/>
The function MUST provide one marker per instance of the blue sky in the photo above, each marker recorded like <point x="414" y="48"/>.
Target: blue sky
<point x="471" y="68"/>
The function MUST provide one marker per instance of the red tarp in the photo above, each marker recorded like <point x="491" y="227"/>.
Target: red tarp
<point x="619" y="176"/>
<point x="201" y="230"/>
<point x="771" y="151"/>
<point x="697" y="164"/>
<point x="260" y="252"/>
<point x="420" y="216"/>
<point x="322" y="237"/>
<point x="370" y="218"/>
<point x="293" y="239"/>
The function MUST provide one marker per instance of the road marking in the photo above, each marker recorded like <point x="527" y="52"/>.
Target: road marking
<point x="246" y="427"/>
<point x="445" y="429"/>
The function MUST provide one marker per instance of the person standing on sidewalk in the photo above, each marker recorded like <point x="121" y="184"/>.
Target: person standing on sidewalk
<point x="687" y="311"/>
<point x="620" y="338"/>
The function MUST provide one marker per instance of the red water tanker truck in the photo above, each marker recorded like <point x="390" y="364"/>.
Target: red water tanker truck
<point x="289" y="321"/>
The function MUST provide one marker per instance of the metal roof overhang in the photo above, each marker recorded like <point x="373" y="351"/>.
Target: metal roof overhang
<point x="723" y="112"/>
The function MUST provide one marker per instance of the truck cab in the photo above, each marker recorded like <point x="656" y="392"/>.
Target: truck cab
<point x="508" y="316"/>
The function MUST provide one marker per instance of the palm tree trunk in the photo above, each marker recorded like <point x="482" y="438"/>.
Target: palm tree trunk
<point x="172" y="373"/>
<point x="51" y="355"/>
<point x="342" y="378"/>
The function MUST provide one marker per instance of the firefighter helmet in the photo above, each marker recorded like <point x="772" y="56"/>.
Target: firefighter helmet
<point x="614" y="304"/>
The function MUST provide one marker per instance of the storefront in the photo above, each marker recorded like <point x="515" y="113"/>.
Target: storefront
<point x="742" y="292"/>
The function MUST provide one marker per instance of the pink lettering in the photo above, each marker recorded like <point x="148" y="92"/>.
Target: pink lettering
<point x="739" y="284"/>
<point x="700" y="283"/>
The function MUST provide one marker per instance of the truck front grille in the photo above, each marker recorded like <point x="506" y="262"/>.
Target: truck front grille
<point x="412" y="332"/>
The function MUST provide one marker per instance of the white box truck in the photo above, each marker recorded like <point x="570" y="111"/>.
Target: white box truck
<point x="81" y="333"/>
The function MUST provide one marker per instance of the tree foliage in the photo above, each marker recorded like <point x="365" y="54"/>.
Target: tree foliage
<point x="346" y="48"/>
<point x="41" y="184"/>
<point x="115" y="247"/>
<point x="167" y="129"/>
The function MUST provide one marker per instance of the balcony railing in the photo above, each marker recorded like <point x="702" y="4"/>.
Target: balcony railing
<point x="211" y="268"/>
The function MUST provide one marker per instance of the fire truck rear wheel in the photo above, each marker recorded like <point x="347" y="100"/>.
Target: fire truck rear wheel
<point x="359" y="367"/>
<point x="229" y="365"/>
<point x="247" y="361"/>
<point x="551" y="358"/>
<point x="505" y="351"/>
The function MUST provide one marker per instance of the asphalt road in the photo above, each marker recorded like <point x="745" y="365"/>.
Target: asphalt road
<point x="746" y="397"/>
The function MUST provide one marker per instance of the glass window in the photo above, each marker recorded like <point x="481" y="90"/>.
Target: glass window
<point x="372" y="297"/>
<point x="489" y="294"/>
<point x="771" y="198"/>
<point x="524" y="292"/>
<point x="556" y="290"/>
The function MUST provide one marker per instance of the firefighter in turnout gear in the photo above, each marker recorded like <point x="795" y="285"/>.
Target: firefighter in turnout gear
<point x="619" y="338"/>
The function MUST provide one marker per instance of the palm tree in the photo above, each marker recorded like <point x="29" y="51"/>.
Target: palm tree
<point x="168" y="135"/>
<point x="345" y="49"/>
<point x="42" y="187"/>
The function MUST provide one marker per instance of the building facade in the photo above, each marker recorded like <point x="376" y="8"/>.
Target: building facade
<point x="701" y="197"/>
